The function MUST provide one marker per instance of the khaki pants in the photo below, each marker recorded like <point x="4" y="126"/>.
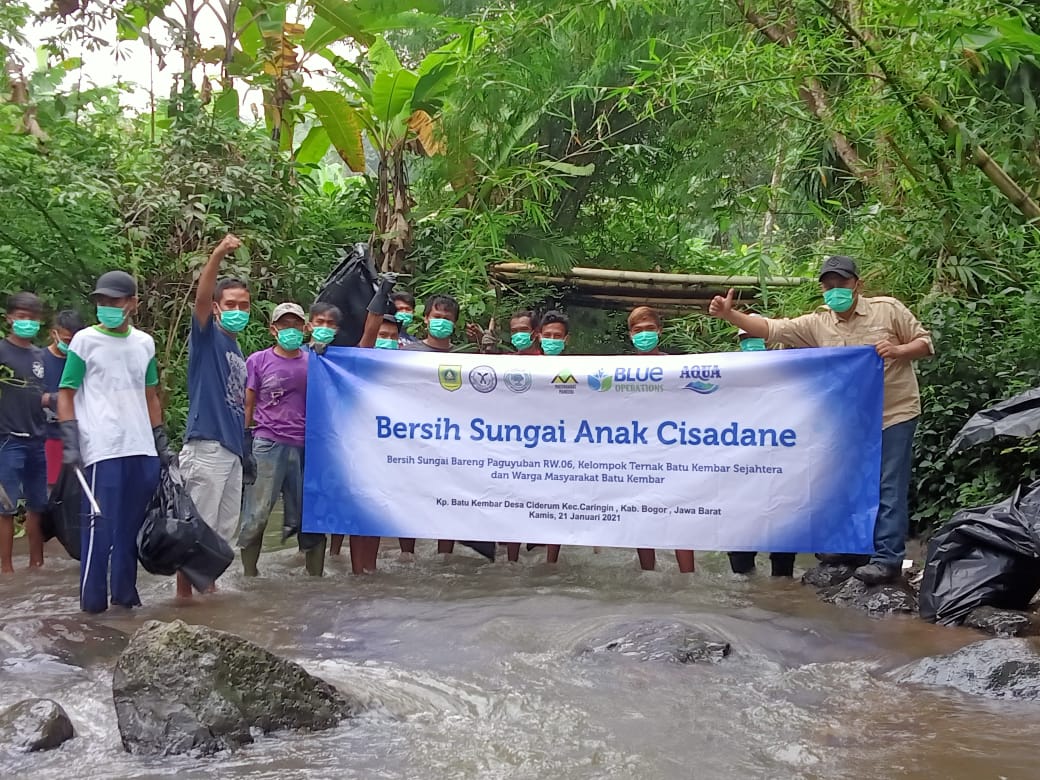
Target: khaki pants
<point x="213" y="476"/>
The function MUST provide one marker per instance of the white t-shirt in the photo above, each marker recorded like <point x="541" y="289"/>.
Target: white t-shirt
<point x="109" y="372"/>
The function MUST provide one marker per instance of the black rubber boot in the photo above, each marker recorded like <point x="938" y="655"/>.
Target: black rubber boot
<point x="742" y="562"/>
<point x="783" y="564"/>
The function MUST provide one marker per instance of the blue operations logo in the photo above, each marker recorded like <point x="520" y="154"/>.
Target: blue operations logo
<point x="601" y="381"/>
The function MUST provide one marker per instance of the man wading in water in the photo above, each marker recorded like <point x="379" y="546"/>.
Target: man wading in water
<point x="644" y="329"/>
<point x="851" y="319"/>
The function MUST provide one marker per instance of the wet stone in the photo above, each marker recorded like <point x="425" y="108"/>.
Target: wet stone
<point x="34" y="724"/>
<point x="180" y="688"/>
<point x="827" y="575"/>
<point x="993" y="668"/>
<point x="1003" y="622"/>
<point x="893" y="598"/>
<point x="671" y="642"/>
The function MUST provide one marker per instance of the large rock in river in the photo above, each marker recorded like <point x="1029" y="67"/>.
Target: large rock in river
<point x="896" y="597"/>
<point x="994" y="668"/>
<point x="180" y="688"/>
<point x="653" y="640"/>
<point x="1002" y="622"/>
<point x="34" y="724"/>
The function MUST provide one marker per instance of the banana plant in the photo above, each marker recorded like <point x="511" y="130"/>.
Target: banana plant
<point x="395" y="109"/>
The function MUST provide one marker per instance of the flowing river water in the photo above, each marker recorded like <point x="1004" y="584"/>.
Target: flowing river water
<point x="474" y="670"/>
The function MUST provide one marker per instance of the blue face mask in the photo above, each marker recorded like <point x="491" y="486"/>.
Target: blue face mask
<point x="521" y="340"/>
<point x="441" y="328"/>
<point x="323" y="335"/>
<point x="646" y="340"/>
<point x="290" y="339"/>
<point x="552" y="346"/>
<point x="752" y="345"/>
<point x="386" y="344"/>
<point x="404" y="317"/>
<point x="111" y="317"/>
<point x="838" y="299"/>
<point x="234" y="320"/>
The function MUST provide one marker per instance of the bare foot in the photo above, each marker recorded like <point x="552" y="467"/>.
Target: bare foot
<point x="7" y="569"/>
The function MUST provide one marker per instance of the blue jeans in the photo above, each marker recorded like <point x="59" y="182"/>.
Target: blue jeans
<point x="893" y="517"/>
<point x="23" y="473"/>
<point x="279" y="470"/>
<point x="124" y="488"/>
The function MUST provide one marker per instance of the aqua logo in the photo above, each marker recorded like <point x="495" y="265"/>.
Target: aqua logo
<point x="600" y="382"/>
<point x="702" y="388"/>
<point x="705" y="373"/>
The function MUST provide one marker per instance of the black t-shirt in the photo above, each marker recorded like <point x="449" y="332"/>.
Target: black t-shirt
<point x="21" y="391"/>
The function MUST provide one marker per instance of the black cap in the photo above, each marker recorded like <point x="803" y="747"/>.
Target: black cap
<point x="840" y="265"/>
<point x="116" y="284"/>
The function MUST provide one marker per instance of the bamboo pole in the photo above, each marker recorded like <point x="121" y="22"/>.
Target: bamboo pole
<point x="644" y="277"/>
<point x="622" y="288"/>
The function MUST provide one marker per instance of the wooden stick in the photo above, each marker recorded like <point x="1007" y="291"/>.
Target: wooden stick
<point x="646" y="277"/>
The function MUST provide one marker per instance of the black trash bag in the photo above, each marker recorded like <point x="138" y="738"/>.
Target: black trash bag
<point x="174" y="537"/>
<point x="62" y="519"/>
<point x="487" y="549"/>
<point x="1018" y="416"/>
<point x="989" y="556"/>
<point x="350" y="288"/>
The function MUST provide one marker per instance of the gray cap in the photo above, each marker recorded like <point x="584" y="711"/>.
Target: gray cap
<point x="115" y="284"/>
<point x="287" y="308"/>
<point x="840" y="265"/>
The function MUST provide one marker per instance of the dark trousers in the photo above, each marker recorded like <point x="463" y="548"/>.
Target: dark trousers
<point x="744" y="563"/>
<point x="893" y="517"/>
<point x="123" y="488"/>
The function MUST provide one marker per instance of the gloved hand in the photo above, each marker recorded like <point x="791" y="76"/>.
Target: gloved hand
<point x="70" y="443"/>
<point x="248" y="461"/>
<point x="378" y="304"/>
<point x="162" y="445"/>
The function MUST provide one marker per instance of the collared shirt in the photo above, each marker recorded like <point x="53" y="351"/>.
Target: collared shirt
<point x="873" y="320"/>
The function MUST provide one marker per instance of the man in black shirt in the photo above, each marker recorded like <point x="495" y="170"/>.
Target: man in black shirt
<point x="23" y="463"/>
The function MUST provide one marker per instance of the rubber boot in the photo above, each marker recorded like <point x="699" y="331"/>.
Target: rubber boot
<point x="250" y="558"/>
<point x="314" y="559"/>
<point x="782" y="564"/>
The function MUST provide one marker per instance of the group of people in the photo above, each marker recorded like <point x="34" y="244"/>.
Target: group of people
<point x="89" y="402"/>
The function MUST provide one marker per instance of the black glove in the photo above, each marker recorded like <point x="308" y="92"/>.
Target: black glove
<point x="162" y="445"/>
<point x="248" y="461"/>
<point x="378" y="304"/>
<point x="70" y="443"/>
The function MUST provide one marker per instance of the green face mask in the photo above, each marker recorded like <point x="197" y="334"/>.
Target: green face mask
<point x="234" y="320"/>
<point x="752" y="345"/>
<point x="521" y="340"/>
<point x="646" y="340"/>
<point x="63" y="348"/>
<point x="552" y="346"/>
<point x="25" y="329"/>
<point x="323" y="335"/>
<point x="290" y="339"/>
<point x="441" y="328"/>
<point x="404" y="317"/>
<point x="838" y="299"/>
<point x="386" y="344"/>
<point x="111" y="317"/>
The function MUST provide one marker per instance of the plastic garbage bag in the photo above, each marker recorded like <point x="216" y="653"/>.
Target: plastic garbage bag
<point x="988" y="556"/>
<point x="350" y="288"/>
<point x="174" y="537"/>
<point x="1018" y="416"/>
<point x="62" y="519"/>
<point x="487" y="549"/>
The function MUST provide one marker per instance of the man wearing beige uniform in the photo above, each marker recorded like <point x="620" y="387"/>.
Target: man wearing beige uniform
<point x="851" y="319"/>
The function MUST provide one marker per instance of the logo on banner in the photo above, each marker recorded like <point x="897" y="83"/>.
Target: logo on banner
<point x="517" y="381"/>
<point x="564" y="382"/>
<point x="450" y="377"/>
<point x="641" y="379"/>
<point x="701" y="376"/>
<point x="600" y="381"/>
<point x="483" y="379"/>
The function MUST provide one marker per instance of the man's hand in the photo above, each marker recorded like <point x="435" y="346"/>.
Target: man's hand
<point x="229" y="244"/>
<point x="248" y="461"/>
<point x="70" y="443"/>
<point x="890" y="351"/>
<point x="721" y="307"/>
<point x="474" y="332"/>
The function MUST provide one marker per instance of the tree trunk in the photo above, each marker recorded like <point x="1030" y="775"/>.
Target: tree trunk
<point x="812" y="94"/>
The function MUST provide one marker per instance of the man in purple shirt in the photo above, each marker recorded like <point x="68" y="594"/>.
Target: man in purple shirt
<point x="276" y="398"/>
